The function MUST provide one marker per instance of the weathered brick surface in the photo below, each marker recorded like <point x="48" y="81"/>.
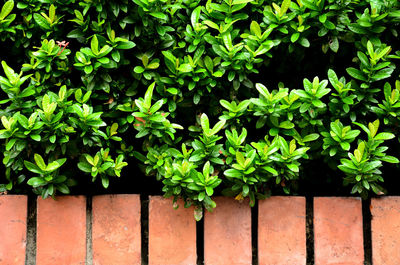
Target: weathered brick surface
<point x="172" y="233"/>
<point x="338" y="231"/>
<point x="13" y="215"/>
<point x="282" y="231"/>
<point x="116" y="230"/>
<point x="227" y="233"/>
<point x="61" y="231"/>
<point x="385" y="227"/>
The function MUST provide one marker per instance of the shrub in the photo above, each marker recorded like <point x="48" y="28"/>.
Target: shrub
<point x="182" y="86"/>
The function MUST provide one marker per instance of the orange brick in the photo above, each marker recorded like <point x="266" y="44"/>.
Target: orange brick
<point x="116" y="230"/>
<point x="13" y="209"/>
<point x="282" y="231"/>
<point x="385" y="226"/>
<point x="61" y="231"/>
<point x="338" y="231"/>
<point x="227" y="233"/>
<point x="172" y="233"/>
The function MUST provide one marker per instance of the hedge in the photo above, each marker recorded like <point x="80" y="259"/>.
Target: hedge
<point x="242" y="97"/>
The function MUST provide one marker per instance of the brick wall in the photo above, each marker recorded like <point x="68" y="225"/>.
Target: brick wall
<point x="133" y="229"/>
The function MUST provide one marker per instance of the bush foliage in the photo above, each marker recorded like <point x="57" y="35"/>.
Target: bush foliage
<point x="233" y="95"/>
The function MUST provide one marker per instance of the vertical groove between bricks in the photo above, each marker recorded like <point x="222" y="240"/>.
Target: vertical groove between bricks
<point x="310" y="229"/>
<point x="254" y="233"/>
<point x="366" y="213"/>
<point x="144" y="228"/>
<point x="30" y="252"/>
<point x="89" y="222"/>
<point x="200" y="240"/>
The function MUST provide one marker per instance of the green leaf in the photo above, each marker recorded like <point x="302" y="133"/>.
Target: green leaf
<point x="185" y="68"/>
<point x="36" y="182"/>
<point x="94" y="45"/>
<point x="209" y="191"/>
<point x="390" y="159"/>
<point x="371" y="166"/>
<point x="286" y="125"/>
<point x="148" y="96"/>
<point x="263" y="90"/>
<point x="238" y="2"/>
<point x="217" y="127"/>
<point x="345" y="146"/>
<point x="10" y="144"/>
<point x="40" y="162"/>
<point x="311" y="137"/>
<point x="226" y="105"/>
<point x="159" y="15"/>
<point x="194" y="18"/>
<point x="240" y="158"/>
<point x="370" y="49"/>
<point x="383" y="74"/>
<point x="357" y="74"/>
<point x="105" y="181"/>
<point x="52" y="13"/>
<point x="205" y="124"/>
<point x="36" y="137"/>
<point x="293" y="167"/>
<point x="233" y="173"/>
<point x="284" y="7"/>
<point x="6" y="9"/>
<point x="384" y="136"/>
<point x="63" y="188"/>
<point x="138" y="69"/>
<point x="46" y="103"/>
<point x="255" y="28"/>
<point x="271" y="170"/>
<point x="304" y="42"/>
<point x="32" y="167"/>
<point x="41" y="21"/>
<point x="334" y="44"/>
<point x="294" y="37"/>
<point x="85" y="167"/>
<point x="211" y="24"/>
<point x="125" y="45"/>
<point x="52" y="166"/>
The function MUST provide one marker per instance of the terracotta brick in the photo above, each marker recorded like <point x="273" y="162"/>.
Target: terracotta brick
<point x="282" y="231"/>
<point x="13" y="209"/>
<point x="172" y="233"/>
<point x="116" y="230"/>
<point x="385" y="226"/>
<point x="338" y="231"/>
<point x="227" y="233"/>
<point x="61" y="231"/>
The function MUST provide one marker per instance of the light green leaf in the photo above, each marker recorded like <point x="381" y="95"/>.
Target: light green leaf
<point x="7" y="8"/>
<point x="40" y="162"/>
<point x="185" y="68"/>
<point x="148" y="96"/>
<point x="217" y="127"/>
<point x="238" y="2"/>
<point x="52" y="13"/>
<point x="384" y="136"/>
<point x="94" y="45"/>
<point x="255" y="29"/>
<point x="205" y="124"/>
<point x="194" y="18"/>
<point x="284" y="7"/>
